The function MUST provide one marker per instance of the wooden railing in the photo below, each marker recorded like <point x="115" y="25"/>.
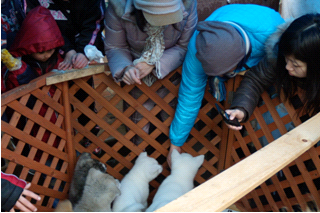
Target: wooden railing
<point x="49" y="166"/>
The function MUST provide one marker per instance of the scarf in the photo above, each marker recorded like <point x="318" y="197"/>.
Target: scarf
<point x="152" y="52"/>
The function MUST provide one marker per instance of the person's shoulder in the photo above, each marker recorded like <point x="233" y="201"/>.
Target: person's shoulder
<point x="118" y="6"/>
<point x="188" y="3"/>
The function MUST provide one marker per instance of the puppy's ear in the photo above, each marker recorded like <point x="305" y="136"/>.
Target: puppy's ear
<point x="156" y="169"/>
<point x="199" y="159"/>
<point x="143" y="154"/>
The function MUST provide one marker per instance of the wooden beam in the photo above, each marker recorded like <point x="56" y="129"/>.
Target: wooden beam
<point x="67" y="75"/>
<point x="234" y="183"/>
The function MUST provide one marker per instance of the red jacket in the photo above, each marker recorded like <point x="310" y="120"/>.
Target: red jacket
<point x="39" y="32"/>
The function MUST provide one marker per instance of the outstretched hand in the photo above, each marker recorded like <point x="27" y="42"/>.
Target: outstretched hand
<point x="25" y="205"/>
<point x="235" y="113"/>
<point x="172" y="147"/>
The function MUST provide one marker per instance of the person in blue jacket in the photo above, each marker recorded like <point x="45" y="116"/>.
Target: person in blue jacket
<point x="230" y="40"/>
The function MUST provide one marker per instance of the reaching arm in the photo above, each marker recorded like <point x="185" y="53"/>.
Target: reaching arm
<point x="191" y="92"/>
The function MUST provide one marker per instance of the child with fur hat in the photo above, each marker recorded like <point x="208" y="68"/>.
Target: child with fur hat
<point x="230" y="40"/>
<point x="146" y="40"/>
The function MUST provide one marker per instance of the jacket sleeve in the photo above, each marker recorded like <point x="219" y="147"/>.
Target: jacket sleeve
<point x="11" y="189"/>
<point x="18" y="77"/>
<point x="93" y="19"/>
<point x="254" y="83"/>
<point x="115" y="44"/>
<point x="173" y="57"/>
<point x="191" y="92"/>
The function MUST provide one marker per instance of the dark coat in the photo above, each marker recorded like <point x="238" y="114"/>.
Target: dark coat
<point x="11" y="189"/>
<point x="259" y="77"/>
<point x="80" y="21"/>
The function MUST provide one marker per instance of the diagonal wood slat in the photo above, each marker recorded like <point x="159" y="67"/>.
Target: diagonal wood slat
<point x="49" y="165"/>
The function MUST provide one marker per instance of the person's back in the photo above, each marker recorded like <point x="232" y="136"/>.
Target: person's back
<point x="230" y="40"/>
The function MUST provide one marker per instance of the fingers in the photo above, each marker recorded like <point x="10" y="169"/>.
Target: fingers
<point x="64" y="65"/>
<point x="29" y="193"/>
<point x="79" y="61"/>
<point x="131" y="76"/>
<point x="235" y="113"/>
<point x="25" y="205"/>
<point x="234" y="127"/>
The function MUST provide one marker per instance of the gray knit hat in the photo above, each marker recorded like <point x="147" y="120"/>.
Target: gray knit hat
<point x="220" y="47"/>
<point x="160" y="12"/>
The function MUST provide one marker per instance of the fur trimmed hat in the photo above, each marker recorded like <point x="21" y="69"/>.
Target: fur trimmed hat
<point x="160" y="12"/>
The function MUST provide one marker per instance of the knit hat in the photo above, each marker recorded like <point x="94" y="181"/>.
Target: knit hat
<point x="160" y="12"/>
<point x="220" y="47"/>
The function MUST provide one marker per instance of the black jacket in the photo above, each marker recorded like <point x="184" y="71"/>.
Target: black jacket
<point x="259" y="77"/>
<point x="80" y="21"/>
<point x="11" y="189"/>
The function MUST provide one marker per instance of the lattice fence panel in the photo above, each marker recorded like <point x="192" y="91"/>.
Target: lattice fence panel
<point x="121" y="140"/>
<point x="33" y="142"/>
<point x="47" y="166"/>
<point x="297" y="186"/>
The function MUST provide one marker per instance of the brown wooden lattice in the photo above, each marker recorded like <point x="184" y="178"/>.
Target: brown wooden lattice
<point x="51" y="174"/>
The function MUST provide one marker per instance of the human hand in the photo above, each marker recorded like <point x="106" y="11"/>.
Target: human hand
<point x="144" y="69"/>
<point x="131" y="76"/>
<point x="25" y="205"/>
<point x="235" y="113"/>
<point x="79" y="61"/>
<point x="67" y="62"/>
<point x="172" y="147"/>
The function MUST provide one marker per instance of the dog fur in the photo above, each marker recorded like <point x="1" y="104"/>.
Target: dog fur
<point x="99" y="192"/>
<point x="180" y="181"/>
<point x="84" y="164"/>
<point x="135" y="185"/>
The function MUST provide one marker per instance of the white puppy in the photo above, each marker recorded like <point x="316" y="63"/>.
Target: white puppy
<point x="183" y="170"/>
<point x="135" y="185"/>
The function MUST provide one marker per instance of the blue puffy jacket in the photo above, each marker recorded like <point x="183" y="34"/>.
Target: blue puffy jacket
<point x="258" y="22"/>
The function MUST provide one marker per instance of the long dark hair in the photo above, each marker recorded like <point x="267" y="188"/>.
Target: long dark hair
<point x="301" y="40"/>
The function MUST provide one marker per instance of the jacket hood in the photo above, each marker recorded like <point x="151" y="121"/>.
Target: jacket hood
<point x="39" y="32"/>
<point x="271" y="45"/>
<point x="119" y="6"/>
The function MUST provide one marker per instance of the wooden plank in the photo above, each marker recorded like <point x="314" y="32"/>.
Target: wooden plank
<point x="67" y="75"/>
<point x="37" y="118"/>
<point x="228" y="187"/>
<point x="29" y="163"/>
<point x="34" y="142"/>
<point x="68" y="129"/>
<point x="22" y="90"/>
